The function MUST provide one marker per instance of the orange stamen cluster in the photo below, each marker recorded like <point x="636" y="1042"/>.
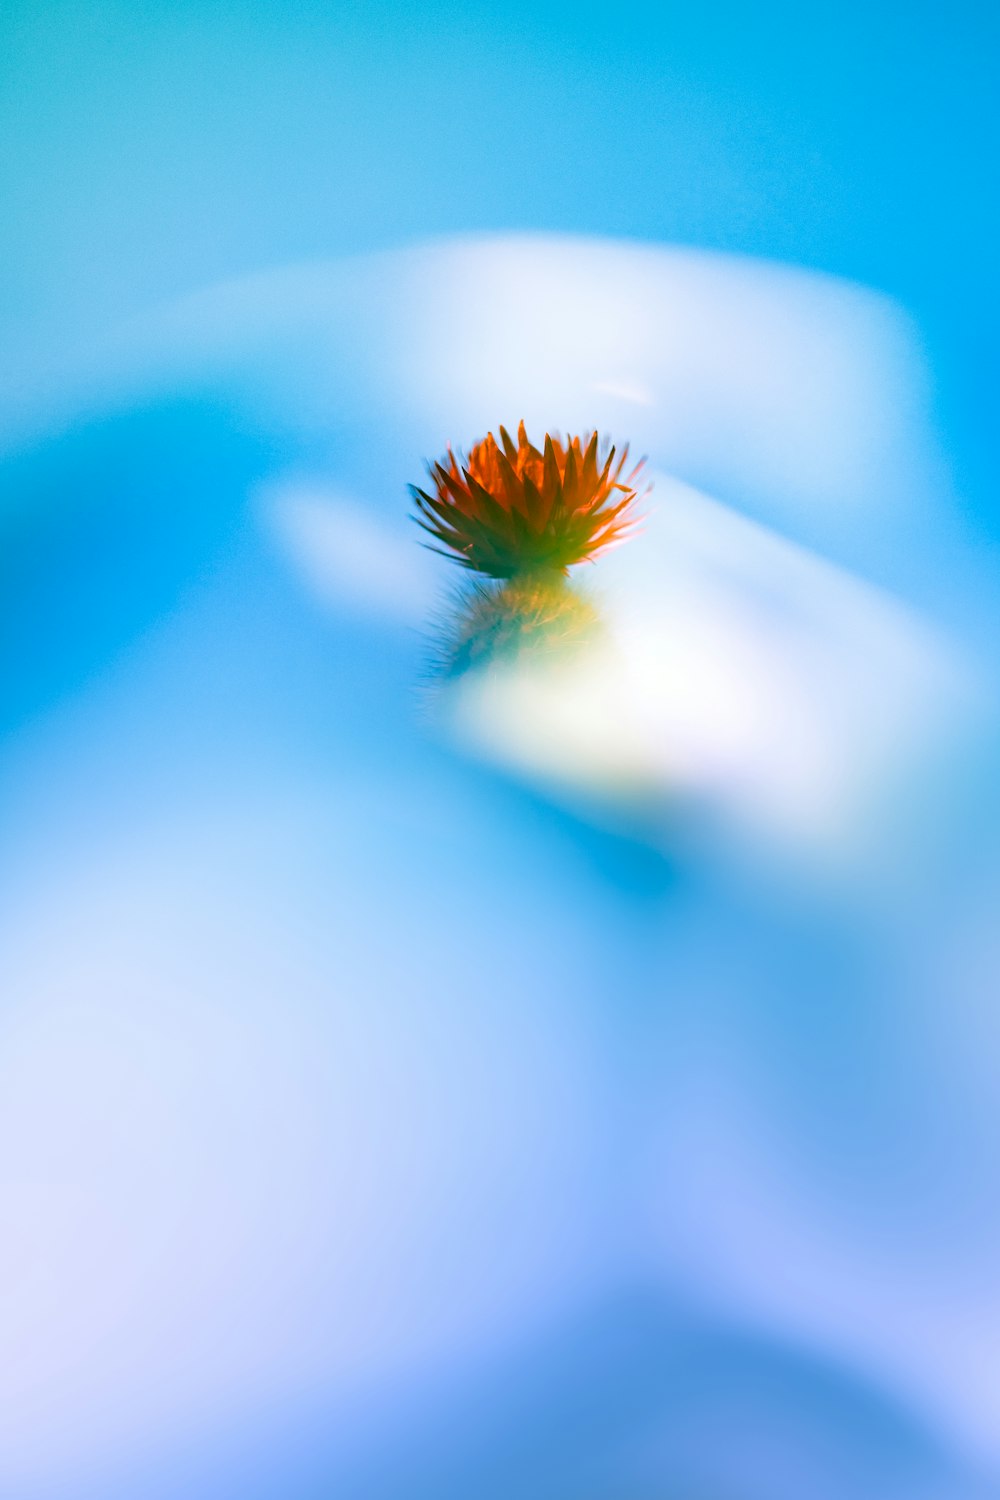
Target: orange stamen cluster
<point x="510" y="509"/>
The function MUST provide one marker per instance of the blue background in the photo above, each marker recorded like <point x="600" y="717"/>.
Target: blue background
<point x="288" y="871"/>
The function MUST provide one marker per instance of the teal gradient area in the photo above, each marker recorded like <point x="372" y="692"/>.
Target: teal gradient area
<point x="146" y="153"/>
<point x="556" y="1088"/>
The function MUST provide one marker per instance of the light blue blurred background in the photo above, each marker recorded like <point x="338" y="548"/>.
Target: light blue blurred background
<point x="374" y="1121"/>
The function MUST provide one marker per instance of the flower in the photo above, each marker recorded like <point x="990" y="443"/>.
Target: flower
<point x="508" y="510"/>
